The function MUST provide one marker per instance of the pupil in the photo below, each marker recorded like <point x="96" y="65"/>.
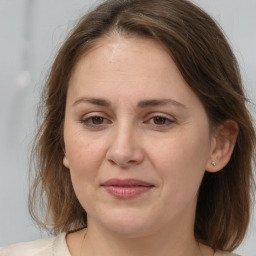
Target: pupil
<point x="159" y="120"/>
<point x="97" y="120"/>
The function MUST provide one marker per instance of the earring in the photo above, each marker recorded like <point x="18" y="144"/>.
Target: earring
<point x="213" y="163"/>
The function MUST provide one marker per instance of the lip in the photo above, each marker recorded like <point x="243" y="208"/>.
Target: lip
<point x="126" y="188"/>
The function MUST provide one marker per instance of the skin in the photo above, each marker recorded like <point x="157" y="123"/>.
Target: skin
<point x="168" y="144"/>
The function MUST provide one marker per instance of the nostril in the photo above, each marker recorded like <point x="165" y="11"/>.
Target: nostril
<point x="111" y="161"/>
<point x="124" y="155"/>
<point x="121" y="163"/>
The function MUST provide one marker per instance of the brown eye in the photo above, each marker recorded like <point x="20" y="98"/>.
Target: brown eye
<point x="97" y="120"/>
<point x="159" y="120"/>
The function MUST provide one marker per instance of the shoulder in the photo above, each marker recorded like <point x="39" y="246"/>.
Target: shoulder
<point x="55" y="246"/>
<point x="35" y="248"/>
<point x="225" y="254"/>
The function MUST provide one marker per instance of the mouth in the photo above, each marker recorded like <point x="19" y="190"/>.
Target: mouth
<point x="127" y="188"/>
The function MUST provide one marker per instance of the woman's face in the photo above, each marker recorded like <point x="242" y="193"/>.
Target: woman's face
<point x="137" y="138"/>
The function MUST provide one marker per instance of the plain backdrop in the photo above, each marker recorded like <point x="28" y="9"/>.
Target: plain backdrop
<point x="31" y="31"/>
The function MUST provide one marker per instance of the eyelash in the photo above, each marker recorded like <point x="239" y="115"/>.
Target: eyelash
<point x="166" y="121"/>
<point x="89" y="121"/>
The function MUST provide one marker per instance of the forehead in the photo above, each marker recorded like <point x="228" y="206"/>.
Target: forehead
<point x="117" y="49"/>
<point x="138" y="57"/>
<point x="128" y="67"/>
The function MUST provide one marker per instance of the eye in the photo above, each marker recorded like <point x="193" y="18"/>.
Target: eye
<point x="95" y="121"/>
<point x="160" y="121"/>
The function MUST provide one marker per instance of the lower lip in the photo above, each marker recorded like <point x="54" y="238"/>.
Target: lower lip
<point x="126" y="192"/>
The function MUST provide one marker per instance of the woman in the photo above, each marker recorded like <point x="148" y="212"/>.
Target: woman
<point x="146" y="144"/>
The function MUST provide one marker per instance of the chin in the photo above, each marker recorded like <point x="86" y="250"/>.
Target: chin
<point x="128" y="223"/>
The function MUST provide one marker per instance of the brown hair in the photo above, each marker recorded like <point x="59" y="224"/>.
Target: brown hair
<point x="208" y="65"/>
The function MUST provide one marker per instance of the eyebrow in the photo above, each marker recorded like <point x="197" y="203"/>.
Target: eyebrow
<point x="159" y="102"/>
<point x="141" y="104"/>
<point x="94" y="101"/>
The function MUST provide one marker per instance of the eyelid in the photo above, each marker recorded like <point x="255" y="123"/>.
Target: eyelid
<point x="156" y="114"/>
<point x="169" y="118"/>
<point x="95" y="113"/>
<point x="85" y="119"/>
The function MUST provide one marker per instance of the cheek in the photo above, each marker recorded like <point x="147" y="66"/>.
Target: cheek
<point x="189" y="149"/>
<point x="85" y="158"/>
<point x="181" y="159"/>
<point x="84" y="154"/>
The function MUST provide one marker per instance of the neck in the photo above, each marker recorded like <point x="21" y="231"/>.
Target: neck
<point x="161" y="242"/>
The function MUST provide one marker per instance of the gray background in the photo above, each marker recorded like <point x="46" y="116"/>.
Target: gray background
<point x="30" y="33"/>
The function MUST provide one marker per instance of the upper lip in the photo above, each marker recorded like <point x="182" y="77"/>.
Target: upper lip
<point x="126" y="183"/>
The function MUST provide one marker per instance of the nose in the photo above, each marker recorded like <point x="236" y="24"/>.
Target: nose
<point x="125" y="148"/>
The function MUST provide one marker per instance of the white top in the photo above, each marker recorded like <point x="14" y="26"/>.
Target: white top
<point x="55" y="246"/>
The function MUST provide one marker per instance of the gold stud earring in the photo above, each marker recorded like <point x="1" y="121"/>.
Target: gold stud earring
<point x="213" y="163"/>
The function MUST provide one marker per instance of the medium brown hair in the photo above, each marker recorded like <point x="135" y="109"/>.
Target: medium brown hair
<point x="206" y="62"/>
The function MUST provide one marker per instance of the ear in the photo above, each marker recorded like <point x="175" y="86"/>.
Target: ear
<point x="223" y="144"/>
<point x="65" y="162"/>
